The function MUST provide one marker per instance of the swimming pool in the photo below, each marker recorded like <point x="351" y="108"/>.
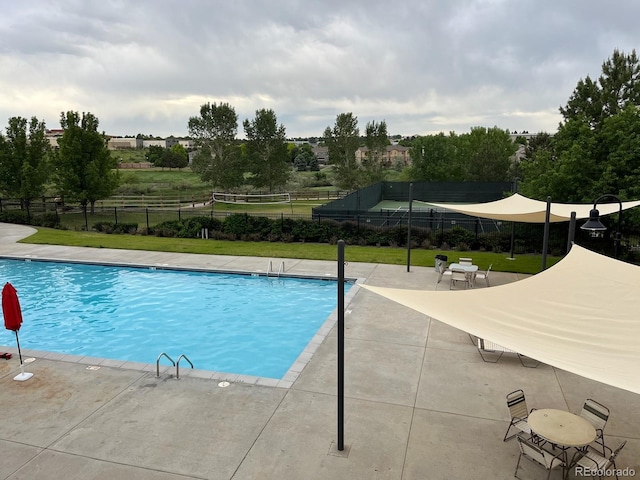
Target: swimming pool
<point x="241" y="324"/>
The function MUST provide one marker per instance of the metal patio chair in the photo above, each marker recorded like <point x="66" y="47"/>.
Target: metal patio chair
<point x="517" y="405"/>
<point x="487" y="346"/>
<point x="598" y="415"/>
<point x="592" y="460"/>
<point x="483" y="275"/>
<point x="458" y="276"/>
<point x="540" y="456"/>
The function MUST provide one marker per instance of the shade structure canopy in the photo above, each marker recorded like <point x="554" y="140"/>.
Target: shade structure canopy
<point x="11" y="308"/>
<point x="579" y="315"/>
<point x="518" y="208"/>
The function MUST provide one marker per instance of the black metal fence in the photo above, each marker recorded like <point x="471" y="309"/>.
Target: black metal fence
<point x="439" y="227"/>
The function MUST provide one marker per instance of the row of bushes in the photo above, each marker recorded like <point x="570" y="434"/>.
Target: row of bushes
<point x="22" y="217"/>
<point x="251" y="228"/>
<point x="244" y="227"/>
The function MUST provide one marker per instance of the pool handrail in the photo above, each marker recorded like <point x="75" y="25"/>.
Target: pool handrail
<point x="163" y="354"/>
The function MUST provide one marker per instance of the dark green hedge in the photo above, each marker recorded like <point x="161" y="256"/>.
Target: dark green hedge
<point x="249" y="228"/>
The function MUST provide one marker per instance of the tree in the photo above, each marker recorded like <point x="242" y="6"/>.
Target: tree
<point x="620" y="138"/>
<point x="343" y="141"/>
<point x="487" y="154"/>
<point x="266" y="150"/>
<point x="84" y="169"/>
<point x="180" y="156"/>
<point x="305" y="159"/>
<point x="375" y="161"/>
<point x="593" y="150"/>
<point x="154" y="155"/>
<point x="435" y="159"/>
<point x="24" y="160"/>
<point x="214" y="131"/>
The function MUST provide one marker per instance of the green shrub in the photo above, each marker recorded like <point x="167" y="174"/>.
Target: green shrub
<point x="14" y="216"/>
<point x="128" y="228"/>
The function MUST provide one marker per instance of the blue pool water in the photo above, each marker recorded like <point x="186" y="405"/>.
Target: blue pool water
<point x="230" y="323"/>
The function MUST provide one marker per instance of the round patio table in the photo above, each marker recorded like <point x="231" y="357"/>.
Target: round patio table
<point x="561" y="427"/>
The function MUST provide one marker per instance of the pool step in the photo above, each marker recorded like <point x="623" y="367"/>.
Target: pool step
<point x="175" y="364"/>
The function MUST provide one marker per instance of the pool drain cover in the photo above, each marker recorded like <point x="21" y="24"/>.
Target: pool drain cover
<point x="223" y="384"/>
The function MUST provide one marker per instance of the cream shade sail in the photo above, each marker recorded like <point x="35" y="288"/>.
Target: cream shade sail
<point x="517" y="208"/>
<point x="580" y="315"/>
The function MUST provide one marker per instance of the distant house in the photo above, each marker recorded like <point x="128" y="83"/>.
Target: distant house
<point x="154" y="142"/>
<point x="394" y="155"/>
<point x="53" y="135"/>
<point x="187" y="143"/>
<point x="322" y="155"/>
<point x="124" y="143"/>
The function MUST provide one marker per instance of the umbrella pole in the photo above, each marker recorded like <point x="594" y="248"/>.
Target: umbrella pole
<point x="22" y="376"/>
<point x="19" y="352"/>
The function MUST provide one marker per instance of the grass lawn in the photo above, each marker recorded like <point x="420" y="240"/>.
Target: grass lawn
<point x="529" y="264"/>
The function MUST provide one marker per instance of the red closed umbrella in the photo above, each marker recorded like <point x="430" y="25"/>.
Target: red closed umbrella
<point x="13" y="320"/>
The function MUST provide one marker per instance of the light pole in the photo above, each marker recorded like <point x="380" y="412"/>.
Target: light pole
<point x="595" y="225"/>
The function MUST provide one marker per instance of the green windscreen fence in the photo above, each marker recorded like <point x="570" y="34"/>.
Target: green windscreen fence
<point x="362" y="201"/>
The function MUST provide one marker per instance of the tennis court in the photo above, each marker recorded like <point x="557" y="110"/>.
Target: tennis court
<point x="400" y="207"/>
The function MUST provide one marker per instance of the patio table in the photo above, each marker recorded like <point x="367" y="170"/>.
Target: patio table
<point x="463" y="267"/>
<point x="561" y="428"/>
<point x="469" y="270"/>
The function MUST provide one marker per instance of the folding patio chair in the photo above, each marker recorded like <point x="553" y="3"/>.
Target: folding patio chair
<point x="597" y="414"/>
<point x="458" y="276"/>
<point x="487" y="346"/>
<point x="483" y="275"/>
<point x="517" y="405"/>
<point x="539" y="455"/>
<point x="591" y="459"/>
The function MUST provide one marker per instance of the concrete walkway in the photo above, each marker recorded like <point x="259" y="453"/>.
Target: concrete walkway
<point x="420" y="402"/>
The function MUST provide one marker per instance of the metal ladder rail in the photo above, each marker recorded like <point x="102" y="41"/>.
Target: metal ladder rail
<point x="270" y="268"/>
<point x="178" y="364"/>
<point x="163" y="354"/>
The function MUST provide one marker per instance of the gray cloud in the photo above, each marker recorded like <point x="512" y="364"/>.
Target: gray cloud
<point x="423" y="66"/>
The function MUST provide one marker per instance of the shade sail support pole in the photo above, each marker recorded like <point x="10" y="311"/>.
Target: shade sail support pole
<point x="409" y="228"/>
<point x="340" y="443"/>
<point x="545" y="238"/>
<point x="572" y="231"/>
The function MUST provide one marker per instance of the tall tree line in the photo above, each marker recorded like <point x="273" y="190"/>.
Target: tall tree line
<point x="80" y="169"/>
<point x="226" y="163"/>
<point x="596" y="149"/>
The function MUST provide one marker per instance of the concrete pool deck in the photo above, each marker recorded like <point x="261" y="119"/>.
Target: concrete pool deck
<point x="420" y="402"/>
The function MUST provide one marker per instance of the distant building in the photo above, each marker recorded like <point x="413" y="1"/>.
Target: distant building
<point x="53" y="135"/>
<point x="322" y="155"/>
<point x="154" y="142"/>
<point x="394" y="155"/>
<point x="187" y="143"/>
<point x="124" y="143"/>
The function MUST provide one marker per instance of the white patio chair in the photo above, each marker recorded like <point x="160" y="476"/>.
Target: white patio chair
<point x="458" y="276"/>
<point x="465" y="261"/>
<point x="487" y="346"/>
<point x="517" y="405"/>
<point x="540" y="456"/>
<point x="592" y="460"/>
<point x="598" y="415"/>
<point x="483" y="275"/>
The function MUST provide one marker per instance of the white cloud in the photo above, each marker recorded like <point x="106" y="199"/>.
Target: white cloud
<point x="423" y="66"/>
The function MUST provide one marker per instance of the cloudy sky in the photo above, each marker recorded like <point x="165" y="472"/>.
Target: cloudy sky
<point x="423" y="66"/>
